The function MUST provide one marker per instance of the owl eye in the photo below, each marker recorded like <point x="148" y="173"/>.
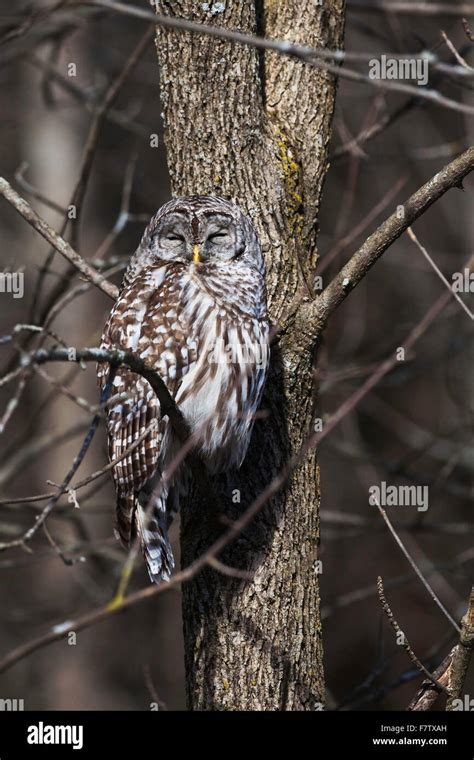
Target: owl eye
<point x="218" y="237"/>
<point x="174" y="237"/>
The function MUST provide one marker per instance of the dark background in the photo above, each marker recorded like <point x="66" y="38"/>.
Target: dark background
<point x="414" y="428"/>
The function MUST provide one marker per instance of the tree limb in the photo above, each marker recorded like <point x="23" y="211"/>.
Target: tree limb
<point x="116" y="357"/>
<point x="462" y="655"/>
<point x="429" y="692"/>
<point x="317" y="57"/>
<point x="312" y="317"/>
<point x="44" y="229"/>
<point x="412" y="8"/>
<point x="452" y="672"/>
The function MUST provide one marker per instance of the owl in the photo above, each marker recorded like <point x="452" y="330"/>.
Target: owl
<point x="193" y="305"/>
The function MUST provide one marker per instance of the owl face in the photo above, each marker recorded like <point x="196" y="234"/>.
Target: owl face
<point x="210" y="237"/>
<point x="200" y="230"/>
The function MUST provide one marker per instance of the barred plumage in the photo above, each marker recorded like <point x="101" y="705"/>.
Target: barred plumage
<point x="192" y="305"/>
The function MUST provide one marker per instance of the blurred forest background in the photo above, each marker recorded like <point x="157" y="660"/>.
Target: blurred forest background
<point x="414" y="428"/>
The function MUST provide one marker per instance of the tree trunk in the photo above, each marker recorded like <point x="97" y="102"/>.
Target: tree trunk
<point x="255" y="128"/>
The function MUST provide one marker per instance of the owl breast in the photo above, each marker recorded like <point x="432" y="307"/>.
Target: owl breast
<point x="209" y="347"/>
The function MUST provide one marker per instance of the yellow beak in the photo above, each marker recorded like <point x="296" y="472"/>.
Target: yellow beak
<point x="196" y="256"/>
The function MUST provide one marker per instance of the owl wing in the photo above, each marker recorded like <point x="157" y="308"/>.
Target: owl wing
<point x="146" y="320"/>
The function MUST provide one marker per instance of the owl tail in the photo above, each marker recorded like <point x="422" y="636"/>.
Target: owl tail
<point x="152" y="528"/>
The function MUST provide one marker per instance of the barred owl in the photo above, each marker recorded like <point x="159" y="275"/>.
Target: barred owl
<point x="193" y="305"/>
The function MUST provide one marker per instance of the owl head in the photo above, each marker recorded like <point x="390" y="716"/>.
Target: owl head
<point x="203" y="231"/>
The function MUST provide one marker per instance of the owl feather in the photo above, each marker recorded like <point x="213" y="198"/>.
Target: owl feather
<point x="192" y="305"/>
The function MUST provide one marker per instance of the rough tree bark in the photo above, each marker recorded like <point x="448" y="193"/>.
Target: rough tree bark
<point x="256" y="128"/>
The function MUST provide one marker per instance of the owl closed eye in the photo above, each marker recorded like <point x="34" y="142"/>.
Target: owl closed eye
<point x="214" y="238"/>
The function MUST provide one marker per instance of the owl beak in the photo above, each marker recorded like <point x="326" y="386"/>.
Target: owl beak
<point x="196" y="254"/>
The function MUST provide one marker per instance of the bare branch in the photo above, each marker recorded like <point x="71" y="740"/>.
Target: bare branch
<point x="462" y="655"/>
<point x="44" y="229"/>
<point x="412" y="8"/>
<point x="438" y="271"/>
<point x="457" y="55"/>
<point x="359" y="228"/>
<point x="33" y="18"/>
<point x="416" y="568"/>
<point x="79" y="192"/>
<point x="452" y="671"/>
<point x="168" y="405"/>
<point x="90" y="100"/>
<point x="33" y="191"/>
<point x="89" y="479"/>
<point x="40" y="520"/>
<point x="429" y="692"/>
<point x="467" y="29"/>
<point x="404" y="641"/>
<point x="99" y="117"/>
<point x="312" y="317"/>
<point x="314" y="57"/>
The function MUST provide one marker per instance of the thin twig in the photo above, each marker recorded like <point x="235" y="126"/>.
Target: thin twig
<point x="44" y="229"/>
<point x="91" y="100"/>
<point x="359" y="228"/>
<point x="412" y="8"/>
<point x="467" y="29"/>
<point x="43" y="516"/>
<point x="81" y="402"/>
<point x="90" y="478"/>
<point x="438" y="271"/>
<point x="93" y="136"/>
<point x="404" y="641"/>
<point x="415" y="567"/>
<point x="78" y="194"/>
<point x="32" y="18"/>
<point x="33" y="191"/>
<point x="456" y="54"/>
<point x="230" y="572"/>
